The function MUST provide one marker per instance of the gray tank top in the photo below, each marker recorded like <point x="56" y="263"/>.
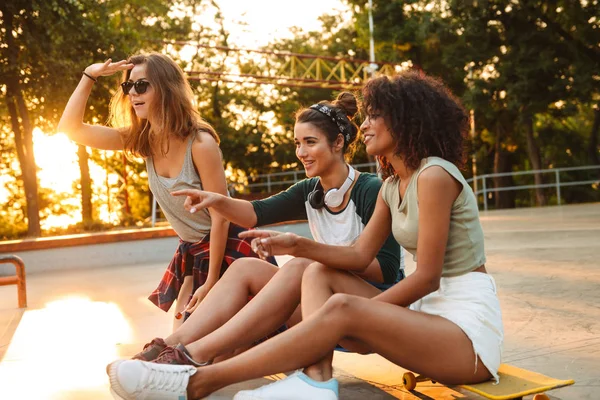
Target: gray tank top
<point x="189" y="227"/>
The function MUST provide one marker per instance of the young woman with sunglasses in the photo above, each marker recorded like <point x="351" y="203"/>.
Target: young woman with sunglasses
<point x="442" y="321"/>
<point x="153" y="116"/>
<point x="336" y="200"/>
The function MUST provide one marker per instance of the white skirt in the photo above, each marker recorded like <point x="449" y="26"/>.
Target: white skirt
<point x="471" y="302"/>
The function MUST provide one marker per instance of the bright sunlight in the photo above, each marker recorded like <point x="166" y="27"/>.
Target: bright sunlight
<point x="79" y="338"/>
<point x="56" y="157"/>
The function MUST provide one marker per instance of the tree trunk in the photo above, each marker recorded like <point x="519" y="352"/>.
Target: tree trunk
<point x="23" y="131"/>
<point x="125" y="185"/>
<point x="150" y="204"/>
<point x="86" y="185"/>
<point x="27" y="164"/>
<point x="504" y="199"/>
<point x="536" y="160"/>
<point x="593" y="144"/>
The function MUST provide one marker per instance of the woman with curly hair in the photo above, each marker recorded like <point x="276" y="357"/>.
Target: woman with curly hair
<point x="442" y="321"/>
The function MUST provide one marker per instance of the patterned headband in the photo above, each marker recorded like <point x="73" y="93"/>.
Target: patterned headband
<point x="342" y="122"/>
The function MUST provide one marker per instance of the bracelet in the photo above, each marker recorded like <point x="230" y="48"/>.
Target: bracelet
<point x="89" y="76"/>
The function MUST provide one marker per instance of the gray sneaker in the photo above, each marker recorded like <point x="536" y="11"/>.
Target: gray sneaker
<point x="151" y="350"/>
<point x="141" y="380"/>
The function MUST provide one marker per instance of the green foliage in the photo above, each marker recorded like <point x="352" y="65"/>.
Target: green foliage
<point x="53" y="42"/>
<point x="518" y="65"/>
<point x="514" y="63"/>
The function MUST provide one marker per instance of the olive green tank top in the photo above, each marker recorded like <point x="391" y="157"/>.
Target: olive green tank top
<point x="464" y="249"/>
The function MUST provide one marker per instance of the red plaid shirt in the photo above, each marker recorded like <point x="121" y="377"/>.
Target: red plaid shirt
<point x="193" y="259"/>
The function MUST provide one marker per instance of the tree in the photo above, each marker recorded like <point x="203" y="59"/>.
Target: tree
<point x="19" y="115"/>
<point x="545" y="57"/>
<point x="509" y="61"/>
<point x="46" y="45"/>
<point x="255" y="122"/>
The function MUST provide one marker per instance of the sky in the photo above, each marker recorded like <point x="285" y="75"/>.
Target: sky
<point x="270" y="19"/>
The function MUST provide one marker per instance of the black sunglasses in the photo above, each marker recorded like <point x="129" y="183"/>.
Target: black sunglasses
<point x="140" y="86"/>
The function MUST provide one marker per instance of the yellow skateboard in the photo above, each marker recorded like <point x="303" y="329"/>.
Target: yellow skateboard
<point x="514" y="384"/>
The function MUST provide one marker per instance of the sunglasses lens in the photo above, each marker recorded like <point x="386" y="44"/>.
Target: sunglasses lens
<point x="141" y="86"/>
<point x="126" y="86"/>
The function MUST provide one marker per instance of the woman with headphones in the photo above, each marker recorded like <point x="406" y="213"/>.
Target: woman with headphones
<point x="338" y="202"/>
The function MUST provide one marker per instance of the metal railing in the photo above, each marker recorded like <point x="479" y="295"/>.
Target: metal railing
<point x="281" y="180"/>
<point x="481" y="182"/>
<point x="17" y="279"/>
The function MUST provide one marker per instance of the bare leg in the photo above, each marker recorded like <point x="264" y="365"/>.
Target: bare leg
<point x="184" y="295"/>
<point x="427" y="344"/>
<point x="319" y="283"/>
<point x="243" y="278"/>
<point x="267" y="311"/>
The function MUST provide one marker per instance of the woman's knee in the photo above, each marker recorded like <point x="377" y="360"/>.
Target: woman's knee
<point x="340" y="303"/>
<point x="296" y="266"/>
<point x="242" y="267"/>
<point x="338" y="309"/>
<point x="347" y="313"/>
<point x="316" y="272"/>
<point x="320" y="275"/>
<point x="246" y="272"/>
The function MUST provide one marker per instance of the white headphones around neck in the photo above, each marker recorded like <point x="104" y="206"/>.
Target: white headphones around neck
<point x="334" y="197"/>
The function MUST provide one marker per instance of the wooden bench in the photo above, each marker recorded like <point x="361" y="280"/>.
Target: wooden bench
<point x="17" y="279"/>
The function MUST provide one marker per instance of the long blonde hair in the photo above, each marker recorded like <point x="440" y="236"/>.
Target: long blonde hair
<point x="173" y="111"/>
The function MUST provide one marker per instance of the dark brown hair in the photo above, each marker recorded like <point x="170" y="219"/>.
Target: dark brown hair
<point x="346" y="105"/>
<point x="173" y="110"/>
<point x="423" y="116"/>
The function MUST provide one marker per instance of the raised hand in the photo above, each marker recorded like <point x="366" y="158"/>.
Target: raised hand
<point x="271" y="243"/>
<point x="107" y="68"/>
<point x="196" y="199"/>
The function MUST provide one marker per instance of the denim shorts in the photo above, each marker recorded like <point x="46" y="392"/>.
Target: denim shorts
<point x="385" y="286"/>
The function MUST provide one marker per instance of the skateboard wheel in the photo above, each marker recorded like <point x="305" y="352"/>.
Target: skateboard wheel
<point x="541" y="396"/>
<point x="410" y="381"/>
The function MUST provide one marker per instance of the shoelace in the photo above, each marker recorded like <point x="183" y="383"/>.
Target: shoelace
<point x="149" y="344"/>
<point x="161" y="378"/>
<point x="169" y="353"/>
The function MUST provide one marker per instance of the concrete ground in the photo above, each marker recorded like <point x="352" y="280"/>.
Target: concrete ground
<point x="543" y="259"/>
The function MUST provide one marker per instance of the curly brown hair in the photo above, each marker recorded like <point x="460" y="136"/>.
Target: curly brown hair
<point x="423" y="116"/>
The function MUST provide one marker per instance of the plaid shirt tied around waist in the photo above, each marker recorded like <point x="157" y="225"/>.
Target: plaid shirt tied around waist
<point x="193" y="259"/>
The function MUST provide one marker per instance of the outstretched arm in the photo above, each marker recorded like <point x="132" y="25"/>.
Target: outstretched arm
<point x="240" y="212"/>
<point x="353" y="258"/>
<point x="437" y="191"/>
<point x="71" y="122"/>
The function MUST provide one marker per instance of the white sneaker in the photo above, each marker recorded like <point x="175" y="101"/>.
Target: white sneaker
<point x="141" y="380"/>
<point x="297" y="386"/>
